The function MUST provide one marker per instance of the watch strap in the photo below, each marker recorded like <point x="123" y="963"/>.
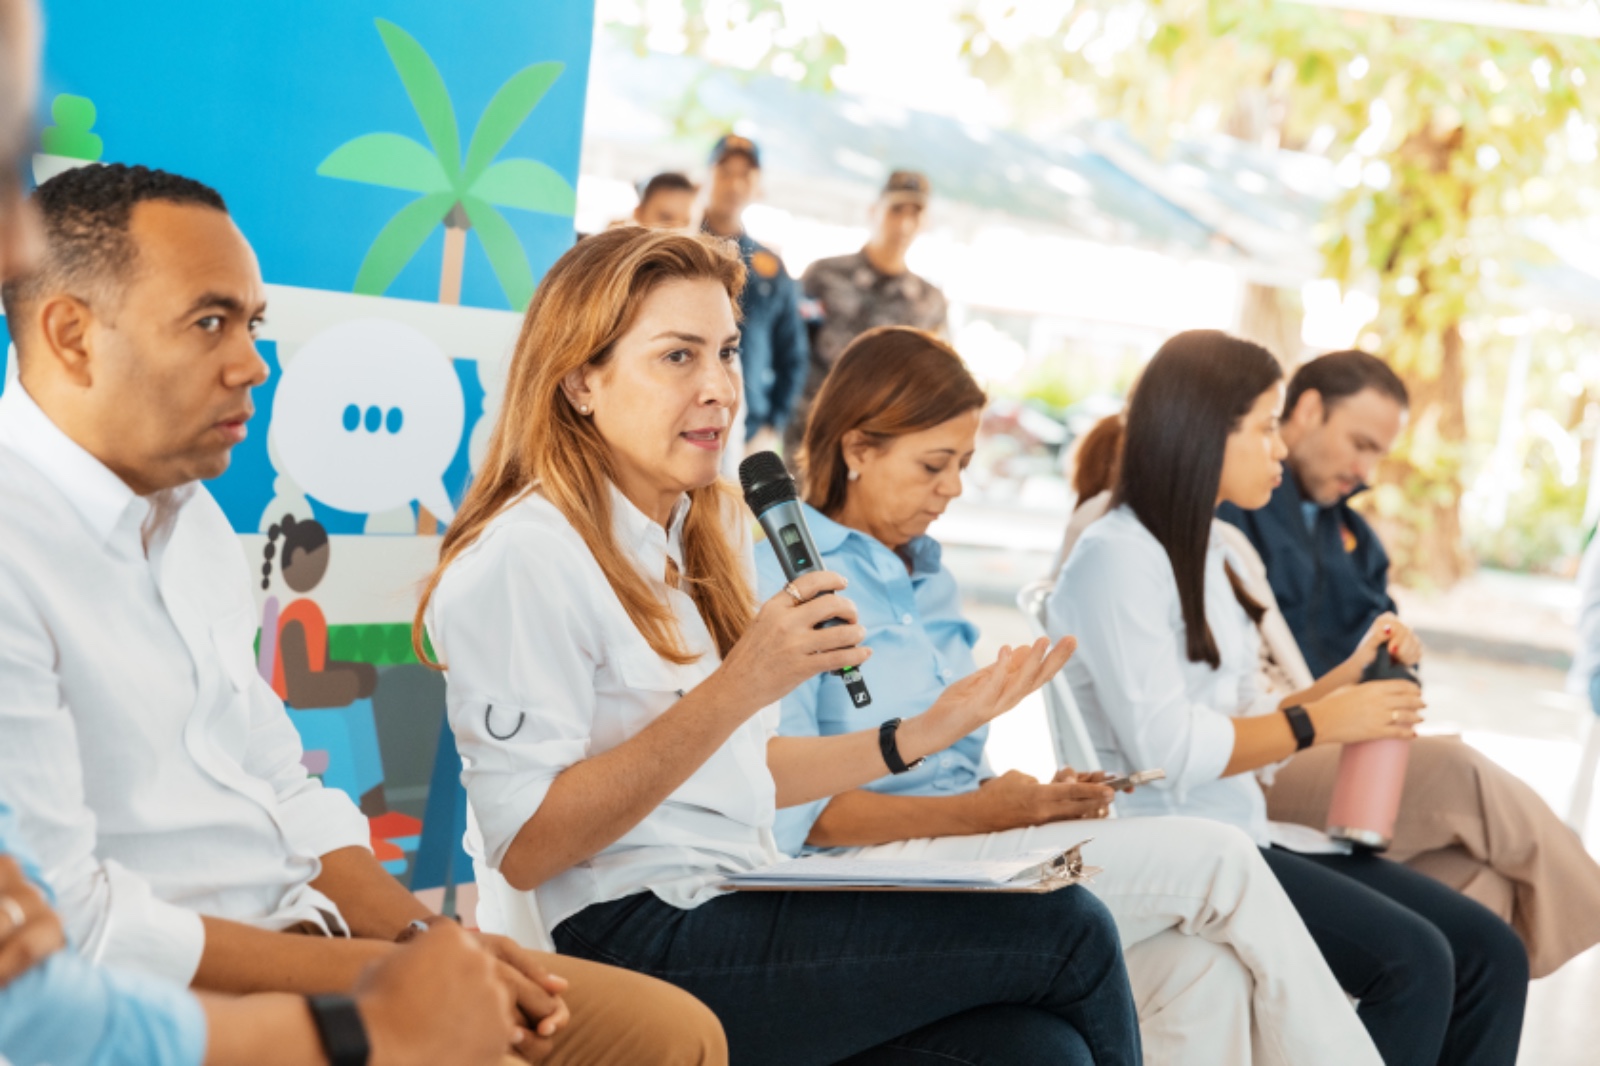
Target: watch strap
<point x="891" y="749"/>
<point x="341" y="1030"/>
<point x="1305" y="734"/>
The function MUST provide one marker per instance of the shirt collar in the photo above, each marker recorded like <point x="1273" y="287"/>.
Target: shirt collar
<point x="650" y="544"/>
<point x="101" y="498"/>
<point x="925" y="552"/>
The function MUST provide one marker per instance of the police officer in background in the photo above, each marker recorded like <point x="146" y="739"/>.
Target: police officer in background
<point x="849" y="294"/>
<point x="772" y="337"/>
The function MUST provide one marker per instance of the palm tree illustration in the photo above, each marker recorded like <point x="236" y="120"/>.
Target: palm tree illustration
<point x="461" y="193"/>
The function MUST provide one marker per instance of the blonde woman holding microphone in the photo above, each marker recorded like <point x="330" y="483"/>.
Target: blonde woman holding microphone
<point x="613" y="688"/>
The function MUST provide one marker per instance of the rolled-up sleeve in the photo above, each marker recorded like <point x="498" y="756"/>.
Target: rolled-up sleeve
<point x="1116" y="598"/>
<point x="511" y="627"/>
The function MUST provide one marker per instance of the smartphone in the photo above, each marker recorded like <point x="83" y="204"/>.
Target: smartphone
<point x="1127" y="782"/>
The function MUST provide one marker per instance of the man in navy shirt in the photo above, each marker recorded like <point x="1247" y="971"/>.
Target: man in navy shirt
<point x="772" y="339"/>
<point x="1326" y="565"/>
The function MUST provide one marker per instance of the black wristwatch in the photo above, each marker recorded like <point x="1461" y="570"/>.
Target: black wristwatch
<point x="891" y="750"/>
<point x="1305" y="734"/>
<point x="341" y="1030"/>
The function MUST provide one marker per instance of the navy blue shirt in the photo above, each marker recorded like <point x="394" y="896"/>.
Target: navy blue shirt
<point x="1330" y="574"/>
<point x="773" y="346"/>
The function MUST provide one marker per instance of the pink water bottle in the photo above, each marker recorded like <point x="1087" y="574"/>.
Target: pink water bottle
<point x="1372" y="775"/>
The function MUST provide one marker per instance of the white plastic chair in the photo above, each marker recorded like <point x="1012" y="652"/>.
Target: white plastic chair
<point x="1068" y="735"/>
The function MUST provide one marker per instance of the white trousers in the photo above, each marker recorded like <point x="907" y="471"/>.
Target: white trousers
<point x="1223" y="969"/>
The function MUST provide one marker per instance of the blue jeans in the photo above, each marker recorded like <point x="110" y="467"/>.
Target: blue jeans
<point x="1440" y="978"/>
<point x="885" y="978"/>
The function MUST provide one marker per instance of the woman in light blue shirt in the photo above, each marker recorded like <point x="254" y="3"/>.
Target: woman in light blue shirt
<point x="1166" y="667"/>
<point x="1222" y="968"/>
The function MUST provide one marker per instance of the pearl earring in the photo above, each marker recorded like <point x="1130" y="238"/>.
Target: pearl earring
<point x="855" y="475"/>
<point x="583" y="408"/>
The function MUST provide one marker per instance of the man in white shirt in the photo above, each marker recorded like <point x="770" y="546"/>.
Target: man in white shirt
<point x="154" y="769"/>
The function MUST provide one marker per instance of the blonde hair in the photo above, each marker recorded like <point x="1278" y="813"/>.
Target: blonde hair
<point x="589" y="298"/>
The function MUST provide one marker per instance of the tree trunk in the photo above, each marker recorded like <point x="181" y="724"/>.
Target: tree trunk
<point x="456" y="225"/>
<point x="1424" y="538"/>
<point x="1272" y="317"/>
<point x="1423" y="533"/>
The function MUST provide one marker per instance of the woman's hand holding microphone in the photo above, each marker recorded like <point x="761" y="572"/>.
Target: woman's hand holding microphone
<point x="783" y="646"/>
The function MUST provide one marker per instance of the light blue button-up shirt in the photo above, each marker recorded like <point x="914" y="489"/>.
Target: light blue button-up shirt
<point x="920" y="643"/>
<point x="68" y="1012"/>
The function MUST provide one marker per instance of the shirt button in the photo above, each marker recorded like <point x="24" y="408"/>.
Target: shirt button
<point x="905" y="619"/>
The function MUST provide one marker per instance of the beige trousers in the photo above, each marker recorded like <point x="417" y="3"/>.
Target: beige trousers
<point x="1473" y="825"/>
<point x="622" y="1018"/>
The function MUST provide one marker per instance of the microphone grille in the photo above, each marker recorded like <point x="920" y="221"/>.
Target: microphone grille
<point x="765" y="481"/>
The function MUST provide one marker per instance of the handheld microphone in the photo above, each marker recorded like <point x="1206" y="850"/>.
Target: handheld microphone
<point x="770" y="494"/>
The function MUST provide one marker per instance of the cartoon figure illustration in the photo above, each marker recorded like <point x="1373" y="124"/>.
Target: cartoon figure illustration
<point x="71" y="142"/>
<point x="303" y="675"/>
<point x="329" y="701"/>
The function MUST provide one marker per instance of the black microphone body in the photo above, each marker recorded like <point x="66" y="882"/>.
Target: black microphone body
<point x="771" y="495"/>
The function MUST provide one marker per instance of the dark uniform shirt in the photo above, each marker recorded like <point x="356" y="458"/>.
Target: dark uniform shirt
<point x="772" y="342"/>
<point x="1326" y="567"/>
<point x="846" y="296"/>
<point x="852" y="296"/>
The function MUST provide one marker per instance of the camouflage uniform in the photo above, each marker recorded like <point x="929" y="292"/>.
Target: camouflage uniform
<point x="845" y="296"/>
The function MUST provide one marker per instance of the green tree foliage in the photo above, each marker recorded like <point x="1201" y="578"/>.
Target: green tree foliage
<point x="1445" y="136"/>
<point x="459" y="192"/>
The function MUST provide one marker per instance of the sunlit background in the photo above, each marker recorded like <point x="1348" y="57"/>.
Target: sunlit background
<point x="1414" y="177"/>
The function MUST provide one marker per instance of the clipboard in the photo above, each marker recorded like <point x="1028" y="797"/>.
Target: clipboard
<point x="1030" y="872"/>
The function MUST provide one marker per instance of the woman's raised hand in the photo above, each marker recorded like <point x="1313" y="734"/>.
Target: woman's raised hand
<point x="783" y="647"/>
<point x="1375" y="710"/>
<point x="986" y="694"/>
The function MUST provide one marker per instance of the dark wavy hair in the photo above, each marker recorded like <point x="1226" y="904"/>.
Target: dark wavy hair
<point x="1190" y="398"/>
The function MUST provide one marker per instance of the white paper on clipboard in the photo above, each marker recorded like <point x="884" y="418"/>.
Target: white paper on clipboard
<point x="1033" y="871"/>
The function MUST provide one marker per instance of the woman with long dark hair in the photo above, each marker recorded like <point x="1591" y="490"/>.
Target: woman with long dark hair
<point x="1166" y="676"/>
<point x="613" y="687"/>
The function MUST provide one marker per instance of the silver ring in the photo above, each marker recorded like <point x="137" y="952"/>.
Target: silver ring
<point x="794" y="593"/>
<point x="13" y="912"/>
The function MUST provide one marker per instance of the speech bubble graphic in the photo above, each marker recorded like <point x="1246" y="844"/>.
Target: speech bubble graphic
<point x="368" y="416"/>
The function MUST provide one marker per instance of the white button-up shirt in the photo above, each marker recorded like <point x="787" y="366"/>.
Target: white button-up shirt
<point x="1145" y="704"/>
<point x="545" y="669"/>
<point x="153" y="771"/>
